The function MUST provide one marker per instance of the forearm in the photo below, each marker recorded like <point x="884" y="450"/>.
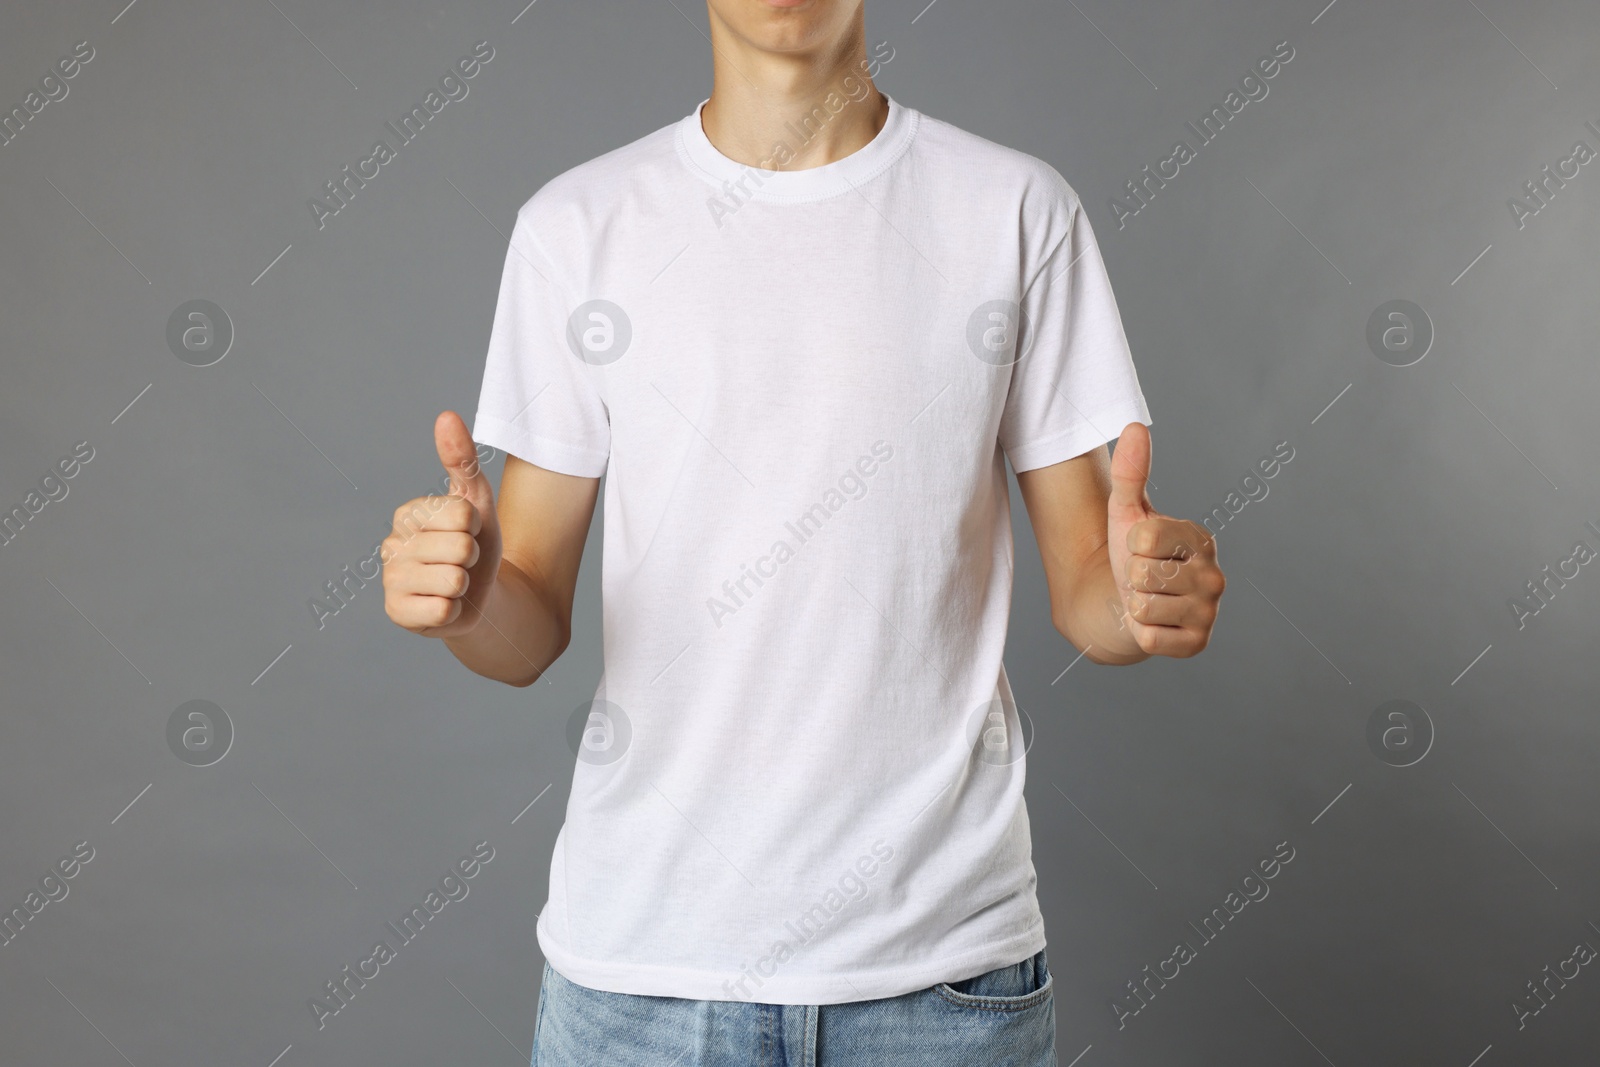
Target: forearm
<point x="1089" y="612"/>
<point x="521" y="632"/>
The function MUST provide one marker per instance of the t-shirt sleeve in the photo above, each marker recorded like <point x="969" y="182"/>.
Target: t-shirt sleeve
<point x="538" y="401"/>
<point x="1075" y="387"/>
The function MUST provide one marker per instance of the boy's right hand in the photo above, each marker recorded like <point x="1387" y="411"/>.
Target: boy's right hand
<point x="443" y="555"/>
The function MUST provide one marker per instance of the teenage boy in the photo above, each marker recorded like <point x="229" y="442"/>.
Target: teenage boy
<point x="801" y="331"/>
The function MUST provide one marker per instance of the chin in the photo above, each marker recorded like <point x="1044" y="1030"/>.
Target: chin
<point x="787" y="25"/>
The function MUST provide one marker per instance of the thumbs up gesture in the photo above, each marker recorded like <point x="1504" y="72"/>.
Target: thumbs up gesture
<point x="1165" y="569"/>
<point x="443" y="554"/>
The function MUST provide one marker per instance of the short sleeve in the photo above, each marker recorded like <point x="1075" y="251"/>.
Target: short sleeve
<point x="1075" y="387"/>
<point x="538" y="402"/>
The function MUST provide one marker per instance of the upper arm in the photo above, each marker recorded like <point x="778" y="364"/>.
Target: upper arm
<point x="1066" y="505"/>
<point x="544" y="522"/>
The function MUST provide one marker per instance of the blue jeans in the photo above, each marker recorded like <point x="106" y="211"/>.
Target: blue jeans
<point x="1003" y="1018"/>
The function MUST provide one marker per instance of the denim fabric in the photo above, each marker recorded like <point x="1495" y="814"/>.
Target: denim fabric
<point x="1002" y="1018"/>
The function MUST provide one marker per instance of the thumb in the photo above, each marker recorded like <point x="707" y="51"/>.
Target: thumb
<point x="1130" y="469"/>
<point x="460" y="459"/>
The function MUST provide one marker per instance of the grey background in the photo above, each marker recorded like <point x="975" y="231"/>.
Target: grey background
<point x="366" y="760"/>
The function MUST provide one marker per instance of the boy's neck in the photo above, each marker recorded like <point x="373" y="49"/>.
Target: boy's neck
<point x="762" y="99"/>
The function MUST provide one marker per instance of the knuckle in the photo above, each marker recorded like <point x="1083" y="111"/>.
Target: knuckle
<point x="452" y="548"/>
<point x="407" y="513"/>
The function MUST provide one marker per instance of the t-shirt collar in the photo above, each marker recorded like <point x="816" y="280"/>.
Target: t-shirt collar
<point x="809" y="183"/>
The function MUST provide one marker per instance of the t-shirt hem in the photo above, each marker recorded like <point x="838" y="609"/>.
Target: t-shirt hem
<point x="549" y="453"/>
<point x="659" y="981"/>
<point x="1098" y="426"/>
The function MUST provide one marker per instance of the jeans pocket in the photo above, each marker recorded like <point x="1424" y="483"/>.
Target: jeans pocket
<point x="1016" y="987"/>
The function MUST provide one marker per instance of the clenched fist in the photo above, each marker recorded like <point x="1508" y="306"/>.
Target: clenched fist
<point x="443" y="555"/>
<point x="1166" y="569"/>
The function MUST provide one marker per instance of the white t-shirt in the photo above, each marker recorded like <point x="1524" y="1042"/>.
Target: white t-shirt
<point x="801" y="780"/>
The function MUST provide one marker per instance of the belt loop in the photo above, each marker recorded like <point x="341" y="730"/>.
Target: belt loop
<point x="809" y="1057"/>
